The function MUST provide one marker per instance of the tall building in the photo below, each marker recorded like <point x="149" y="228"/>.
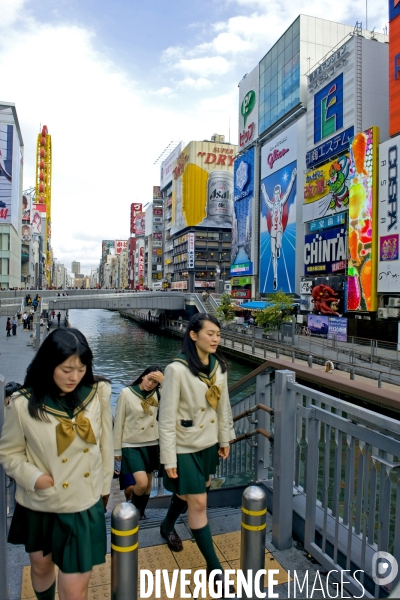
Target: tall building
<point x="76" y="267"/>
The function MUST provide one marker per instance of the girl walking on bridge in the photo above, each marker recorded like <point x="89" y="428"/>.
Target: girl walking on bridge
<point x="136" y="436"/>
<point x="195" y="427"/>
<point x="57" y="445"/>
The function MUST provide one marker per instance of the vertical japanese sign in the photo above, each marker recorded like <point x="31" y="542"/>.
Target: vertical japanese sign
<point x="242" y="212"/>
<point x="191" y="250"/>
<point x="362" y="227"/>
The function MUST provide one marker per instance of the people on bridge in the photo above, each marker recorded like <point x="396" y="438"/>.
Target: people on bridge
<point x="58" y="318"/>
<point x="8" y="327"/>
<point x="136" y="436"/>
<point x="57" y="445"/>
<point x="14" y="325"/>
<point x="195" y="428"/>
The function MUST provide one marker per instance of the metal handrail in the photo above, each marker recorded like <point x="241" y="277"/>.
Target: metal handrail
<point x="252" y="410"/>
<point x="250" y="434"/>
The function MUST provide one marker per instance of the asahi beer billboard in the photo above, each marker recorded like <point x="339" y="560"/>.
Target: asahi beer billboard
<point x="248" y="108"/>
<point x="202" y="186"/>
<point x="388" y="224"/>
<point x="278" y="212"/>
<point x="241" y="260"/>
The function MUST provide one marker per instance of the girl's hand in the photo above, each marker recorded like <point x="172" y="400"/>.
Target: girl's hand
<point x="172" y="473"/>
<point x="105" y="501"/>
<point x="118" y="457"/>
<point x="224" y="452"/>
<point x="157" y="376"/>
<point x="44" y="482"/>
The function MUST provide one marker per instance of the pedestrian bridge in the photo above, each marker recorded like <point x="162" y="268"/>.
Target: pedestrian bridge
<point x="134" y="300"/>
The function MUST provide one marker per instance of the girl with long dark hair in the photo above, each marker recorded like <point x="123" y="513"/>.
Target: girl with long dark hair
<point x="136" y="435"/>
<point x="57" y="445"/>
<point x="195" y="427"/>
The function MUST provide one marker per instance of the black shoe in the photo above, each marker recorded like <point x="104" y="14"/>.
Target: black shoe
<point x="173" y="540"/>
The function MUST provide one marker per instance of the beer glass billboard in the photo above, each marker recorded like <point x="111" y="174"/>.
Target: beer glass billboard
<point x="202" y="186"/>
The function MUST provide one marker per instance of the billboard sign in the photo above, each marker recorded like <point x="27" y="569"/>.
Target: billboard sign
<point x="179" y="285"/>
<point x="325" y="251"/>
<point x="388" y="227"/>
<point x="242" y="210"/>
<point x="241" y="269"/>
<point x="168" y="165"/>
<point x="394" y="10"/>
<point x="394" y="75"/>
<point x="38" y="215"/>
<point x="328" y="109"/>
<point x="26" y="233"/>
<point x="326" y="222"/>
<point x="335" y="145"/>
<point x="362" y="227"/>
<point x="10" y="161"/>
<point x="107" y="247"/>
<point x="26" y="208"/>
<point x="140" y="223"/>
<point x="248" y="108"/>
<point x="326" y="189"/>
<point x="202" y="186"/>
<point x="120" y="245"/>
<point x="157" y="239"/>
<point x="141" y="265"/>
<point x="156" y="192"/>
<point x="191" y="250"/>
<point x="328" y="327"/>
<point x="278" y="212"/>
<point x="135" y="208"/>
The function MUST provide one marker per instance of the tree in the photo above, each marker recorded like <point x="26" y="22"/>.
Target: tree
<point x="225" y="310"/>
<point x="278" y="309"/>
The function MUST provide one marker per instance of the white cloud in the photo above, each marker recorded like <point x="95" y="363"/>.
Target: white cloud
<point x="10" y="11"/>
<point x="209" y="65"/>
<point x="165" y="91"/>
<point x="197" y="84"/>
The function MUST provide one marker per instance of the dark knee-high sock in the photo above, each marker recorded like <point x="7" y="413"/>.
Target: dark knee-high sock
<point x="143" y="504"/>
<point x="176" y="507"/>
<point x="136" y="501"/>
<point x="203" y="539"/>
<point x="48" y="594"/>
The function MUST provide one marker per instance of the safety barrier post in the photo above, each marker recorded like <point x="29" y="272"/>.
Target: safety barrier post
<point x="37" y="341"/>
<point x="124" y="552"/>
<point x="254" y="523"/>
<point x="379" y="380"/>
<point x="310" y="361"/>
<point x="3" y="506"/>
<point x="277" y="353"/>
<point x="351" y="373"/>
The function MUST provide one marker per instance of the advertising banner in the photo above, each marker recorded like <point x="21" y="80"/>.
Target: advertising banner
<point x="157" y="212"/>
<point x="120" y="245"/>
<point x="10" y="161"/>
<point x="362" y="228"/>
<point x="241" y="269"/>
<point x="328" y="327"/>
<point x="202" y="186"/>
<point x="326" y="222"/>
<point x="156" y="192"/>
<point x="248" y="108"/>
<point x="388" y="225"/>
<point x="135" y="208"/>
<point x="167" y="166"/>
<point x="26" y="208"/>
<point x="191" y="240"/>
<point x="278" y="214"/>
<point x="141" y="265"/>
<point x="140" y="223"/>
<point x="338" y="144"/>
<point x="179" y="285"/>
<point x="326" y="189"/>
<point x="38" y="215"/>
<point x="394" y="75"/>
<point x="157" y="239"/>
<point x="241" y="281"/>
<point x="325" y="251"/>
<point x="26" y="233"/>
<point x="107" y="247"/>
<point x="204" y="284"/>
<point x="242" y="210"/>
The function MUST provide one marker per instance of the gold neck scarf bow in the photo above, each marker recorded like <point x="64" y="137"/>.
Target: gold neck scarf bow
<point x="66" y="431"/>
<point x="213" y="394"/>
<point x="147" y="403"/>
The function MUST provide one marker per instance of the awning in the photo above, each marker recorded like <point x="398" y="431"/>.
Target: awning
<point x="255" y="305"/>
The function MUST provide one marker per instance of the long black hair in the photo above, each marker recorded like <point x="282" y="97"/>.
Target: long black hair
<point x="58" y="346"/>
<point x="150" y="369"/>
<point x="195" y="324"/>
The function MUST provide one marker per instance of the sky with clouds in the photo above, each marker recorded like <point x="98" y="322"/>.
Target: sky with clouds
<point x="116" y="82"/>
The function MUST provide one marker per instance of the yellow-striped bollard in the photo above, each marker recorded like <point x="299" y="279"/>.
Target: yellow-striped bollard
<point x="254" y="523"/>
<point x="124" y="552"/>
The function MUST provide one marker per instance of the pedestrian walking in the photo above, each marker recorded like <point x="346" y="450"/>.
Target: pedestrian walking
<point x="24" y="320"/>
<point x="8" y="327"/>
<point x="57" y="445"/>
<point x="14" y="325"/>
<point x="53" y="313"/>
<point x="195" y="428"/>
<point x="136" y="436"/>
<point x="35" y="304"/>
<point x="58" y="318"/>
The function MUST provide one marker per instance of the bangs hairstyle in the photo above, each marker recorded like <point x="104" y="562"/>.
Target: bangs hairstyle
<point x="58" y="346"/>
<point x="150" y="369"/>
<point x="195" y="324"/>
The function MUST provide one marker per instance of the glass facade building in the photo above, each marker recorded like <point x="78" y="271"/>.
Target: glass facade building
<point x="280" y="78"/>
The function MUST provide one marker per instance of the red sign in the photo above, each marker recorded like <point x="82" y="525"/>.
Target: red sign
<point x="135" y="209"/>
<point x="141" y="262"/>
<point x="394" y="76"/>
<point x="120" y="245"/>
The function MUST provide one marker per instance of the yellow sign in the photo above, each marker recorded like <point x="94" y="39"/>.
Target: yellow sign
<point x="326" y="189"/>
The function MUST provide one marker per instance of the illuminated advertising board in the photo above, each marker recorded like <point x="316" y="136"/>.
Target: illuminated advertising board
<point x="242" y="211"/>
<point x="38" y="215"/>
<point x="107" y="247"/>
<point x="140" y="223"/>
<point x="168" y="165"/>
<point x="388" y="225"/>
<point x="156" y="192"/>
<point x="141" y="265"/>
<point x="26" y="208"/>
<point x="325" y="251"/>
<point x="362" y="227"/>
<point x="328" y="327"/>
<point x="278" y="214"/>
<point x="135" y="209"/>
<point x="326" y="189"/>
<point x="10" y="164"/>
<point x="120" y="245"/>
<point x="248" y="108"/>
<point x="191" y="239"/>
<point x="202" y="186"/>
<point x="26" y="233"/>
<point x="394" y="76"/>
<point x="328" y="109"/>
<point x="157" y="239"/>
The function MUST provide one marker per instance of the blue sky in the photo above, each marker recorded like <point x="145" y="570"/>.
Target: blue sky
<point x="116" y="81"/>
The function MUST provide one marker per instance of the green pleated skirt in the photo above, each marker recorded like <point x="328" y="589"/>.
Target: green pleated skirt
<point x="142" y="458"/>
<point x="77" y="541"/>
<point x="194" y="471"/>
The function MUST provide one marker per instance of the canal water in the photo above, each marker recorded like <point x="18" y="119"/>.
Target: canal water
<point x="122" y="349"/>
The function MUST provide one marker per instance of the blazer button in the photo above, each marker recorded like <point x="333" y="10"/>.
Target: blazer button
<point x="65" y="484"/>
<point x="142" y="428"/>
<point x="64" y="460"/>
<point x="212" y="421"/>
<point x="152" y="425"/>
<point x="86" y="474"/>
<point x="201" y="426"/>
<point x="203" y="409"/>
<point x="86" y="450"/>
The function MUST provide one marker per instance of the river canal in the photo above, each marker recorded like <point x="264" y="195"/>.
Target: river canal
<point x="122" y="349"/>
